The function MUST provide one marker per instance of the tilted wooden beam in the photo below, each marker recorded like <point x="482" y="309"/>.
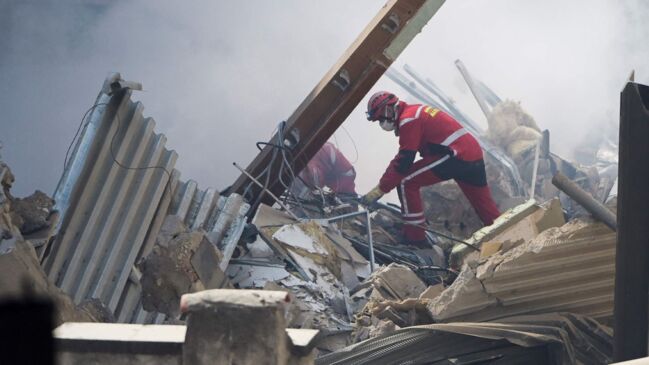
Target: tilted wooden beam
<point x="341" y="89"/>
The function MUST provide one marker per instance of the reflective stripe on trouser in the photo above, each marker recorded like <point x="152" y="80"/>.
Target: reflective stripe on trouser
<point x="412" y="207"/>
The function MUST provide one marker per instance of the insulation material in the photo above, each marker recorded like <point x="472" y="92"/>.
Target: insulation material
<point x="292" y="235"/>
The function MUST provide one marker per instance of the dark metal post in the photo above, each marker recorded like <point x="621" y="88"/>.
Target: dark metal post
<point x="597" y="209"/>
<point x="632" y="256"/>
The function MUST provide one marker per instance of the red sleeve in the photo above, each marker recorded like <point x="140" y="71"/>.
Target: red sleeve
<point x="342" y="176"/>
<point x="409" y="138"/>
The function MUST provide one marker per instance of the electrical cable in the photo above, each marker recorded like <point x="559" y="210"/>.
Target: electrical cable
<point x="81" y="126"/>
<point x="136" y="168"/>
<point x="112" y="146"/>
<point x="353" y="144"/>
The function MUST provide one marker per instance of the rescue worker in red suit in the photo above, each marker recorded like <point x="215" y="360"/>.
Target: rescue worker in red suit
<point x="330" y="168"/>
<point x="447" y="151"/>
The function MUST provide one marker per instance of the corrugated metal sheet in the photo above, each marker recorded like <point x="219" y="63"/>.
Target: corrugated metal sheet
<point x="111" y="215"/>
<point x="557" y="338"/>
<point x="566" y="269"/>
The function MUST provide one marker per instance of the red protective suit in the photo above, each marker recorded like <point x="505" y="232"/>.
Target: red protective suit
<point x="448" y="151"/>
<point x="330" y="168"/>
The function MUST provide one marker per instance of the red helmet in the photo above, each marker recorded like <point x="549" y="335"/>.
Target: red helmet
<point x="377" y="103"/>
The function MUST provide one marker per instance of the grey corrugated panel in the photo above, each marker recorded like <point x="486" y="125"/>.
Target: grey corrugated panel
<point x="211" y="221"/>
<point x="102" y="222"/>
<point x="81" y="200"/>
<point x="183" y="199"/>
<point x="161" y="213"/>
<point x="107" y="209"/>
<point x="566" y="339"/>
<point x="122" y="257"/>
<point x="111" y="216"/>
<point x="78" y="159"/>
<point x="129" y="303"/>
<point x="205" y="207"/>
<point x="232" y="236"/>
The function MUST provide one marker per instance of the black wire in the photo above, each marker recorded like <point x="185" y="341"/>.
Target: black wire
<point x="81" y="126"/>
<point x="137" y="168"/>
<point x="285" y="169"/>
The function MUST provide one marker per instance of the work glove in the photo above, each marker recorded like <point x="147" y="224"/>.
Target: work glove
<point x="371" y="197"/>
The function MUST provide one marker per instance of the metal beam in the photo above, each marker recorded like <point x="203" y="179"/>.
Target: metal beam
<point x="473" y="87"/>
<point x="632" y="254"/>
<point x="340" y="90"/>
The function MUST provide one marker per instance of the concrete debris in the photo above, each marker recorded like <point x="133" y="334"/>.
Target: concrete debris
<point x="182" y="261"/>
<point x="392" y="294"/>
<point x="569" y="268"/>
<point x="21" y="274"/>
<point x="514" y="227"/>
<point x="33" y="213"/>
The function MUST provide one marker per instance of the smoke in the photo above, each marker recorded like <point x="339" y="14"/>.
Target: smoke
<point x="219" y="76"/>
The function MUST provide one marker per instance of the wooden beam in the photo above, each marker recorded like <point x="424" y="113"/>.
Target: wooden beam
<point x="341" y="90"/>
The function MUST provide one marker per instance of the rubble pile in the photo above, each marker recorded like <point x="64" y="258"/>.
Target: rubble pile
<point x="536" y="284"/>
<point x="393" y="297"/>
<point x="21" y="274"/>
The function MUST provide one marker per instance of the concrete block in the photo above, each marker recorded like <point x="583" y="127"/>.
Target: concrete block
<point x="180" y="262"/>
<point x="243" y="327"/>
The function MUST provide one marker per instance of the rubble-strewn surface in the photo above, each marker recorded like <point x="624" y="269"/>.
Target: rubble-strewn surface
<point x="391" y="298"/>
<point x="32" y="213"/>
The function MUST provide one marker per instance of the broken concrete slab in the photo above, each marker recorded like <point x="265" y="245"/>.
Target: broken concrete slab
<point x="32" y="213"/>
<point x="465" y="295"/>
<point x="569" y="268"/>
<point x="21" y="275"/>
<point x="512" y="228"/>
<point x="397" y="282"/>
<point x="180" y="262"/>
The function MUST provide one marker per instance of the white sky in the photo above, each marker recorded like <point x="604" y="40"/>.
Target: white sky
<point x="219" y="76"/>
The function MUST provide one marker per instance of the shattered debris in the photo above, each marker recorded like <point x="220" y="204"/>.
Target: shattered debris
<point x="181" y="262"/>
<point x="542" y="258"/>
<point x="21" y="274"/>
<point x="569" y="268"/>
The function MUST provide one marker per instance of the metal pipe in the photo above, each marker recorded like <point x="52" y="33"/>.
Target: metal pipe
<point x="534" y="169"/>
<point x="267" y="191"/>
<point x="594" y="207"/>
<point x="369" y="238"/>
<point x="472" y="87"/>
<point x="369" y="230"/>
